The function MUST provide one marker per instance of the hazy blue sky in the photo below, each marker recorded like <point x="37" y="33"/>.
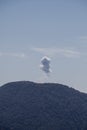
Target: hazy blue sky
<point x="30" y="29"/>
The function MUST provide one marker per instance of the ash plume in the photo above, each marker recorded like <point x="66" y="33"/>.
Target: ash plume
<point x="45" y="65"/>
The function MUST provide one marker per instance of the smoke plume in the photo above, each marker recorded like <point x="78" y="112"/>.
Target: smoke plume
<point x="45" y="65"/>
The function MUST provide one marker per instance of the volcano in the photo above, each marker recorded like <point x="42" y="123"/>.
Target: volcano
<point x="26" y="105"/>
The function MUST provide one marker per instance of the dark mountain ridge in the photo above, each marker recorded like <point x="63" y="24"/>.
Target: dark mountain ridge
<point x="27" y="105"/>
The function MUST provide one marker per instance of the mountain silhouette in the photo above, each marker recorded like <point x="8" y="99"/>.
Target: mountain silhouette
<point x="27" y="105"/>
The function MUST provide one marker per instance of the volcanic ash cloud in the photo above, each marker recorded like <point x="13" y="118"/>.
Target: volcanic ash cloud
<point x="45" y="65"/>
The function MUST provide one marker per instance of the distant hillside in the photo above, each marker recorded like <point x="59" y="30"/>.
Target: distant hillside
<point x="26" y="105"/>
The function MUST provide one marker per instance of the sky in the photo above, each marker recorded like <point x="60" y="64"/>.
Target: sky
<point x="31" y="29"/>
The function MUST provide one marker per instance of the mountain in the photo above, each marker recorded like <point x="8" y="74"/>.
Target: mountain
<point x="26" y="105"/>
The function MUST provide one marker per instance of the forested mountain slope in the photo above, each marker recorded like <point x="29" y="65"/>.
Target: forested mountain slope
<point x="26" y="105"/>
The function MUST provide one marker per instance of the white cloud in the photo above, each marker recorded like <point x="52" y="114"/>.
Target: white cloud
<point x="18" y="55"/>
<point x="83" y="38"/>
<point x="1" y="54"/>
<point x="60" y="51"/>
